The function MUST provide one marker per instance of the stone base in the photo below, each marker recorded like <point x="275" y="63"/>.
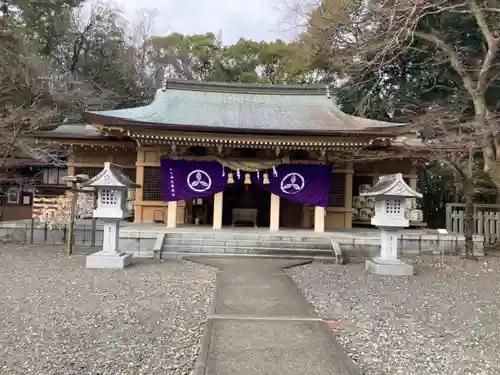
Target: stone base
<point x="389" y="268"/>
<point x="103" y="259"/>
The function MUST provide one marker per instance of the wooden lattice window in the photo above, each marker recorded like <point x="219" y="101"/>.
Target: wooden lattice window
<point x="336" y="194"/>
<point x="152" y="186"/>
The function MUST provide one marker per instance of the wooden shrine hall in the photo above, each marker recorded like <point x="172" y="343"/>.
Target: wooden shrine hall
<point x="249" y="132"/>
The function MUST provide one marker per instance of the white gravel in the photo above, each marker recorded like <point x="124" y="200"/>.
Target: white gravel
<point x="445" y="320"/>
<point x="57" y="317"/>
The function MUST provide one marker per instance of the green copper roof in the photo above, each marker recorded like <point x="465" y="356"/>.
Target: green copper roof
<point x="189" y="105"/>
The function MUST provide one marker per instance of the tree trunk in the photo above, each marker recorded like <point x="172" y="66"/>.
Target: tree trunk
<point x="469" y="220"/>
<point x="493" y="170"/>
<point x="423" y="177"/>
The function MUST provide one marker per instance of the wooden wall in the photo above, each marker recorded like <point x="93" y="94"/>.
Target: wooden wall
<point x="88" y="156"/>
<point x="13" y="212"/>
<point x="147" y="159"/>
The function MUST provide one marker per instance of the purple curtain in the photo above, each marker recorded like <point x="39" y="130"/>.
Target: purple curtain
<point x="188" y="179"/>
<point x="303" y="183"/>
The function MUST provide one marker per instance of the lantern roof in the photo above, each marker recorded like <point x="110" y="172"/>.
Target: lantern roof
<point x="391" y="185"/>
<point x="111" y="176"/>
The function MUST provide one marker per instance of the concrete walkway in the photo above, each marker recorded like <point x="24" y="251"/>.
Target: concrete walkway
<point x="260" y="323"/>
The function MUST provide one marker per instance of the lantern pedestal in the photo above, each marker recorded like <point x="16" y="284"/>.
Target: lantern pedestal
<point x="383" y="267"/>
<point x="102" y="259"/>
<point x="110" y="256"/>
<point x="387" y="263"/>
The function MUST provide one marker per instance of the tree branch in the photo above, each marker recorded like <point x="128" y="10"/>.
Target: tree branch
<point x="482" y="81"/>
<point x="453" y="58"/>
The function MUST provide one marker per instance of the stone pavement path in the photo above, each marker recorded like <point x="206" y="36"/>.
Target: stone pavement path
<point x="261" y="324"/>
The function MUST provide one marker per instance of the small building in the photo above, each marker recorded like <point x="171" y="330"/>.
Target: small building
<point x="22" y="178"/>
<point x="249" y="127"/>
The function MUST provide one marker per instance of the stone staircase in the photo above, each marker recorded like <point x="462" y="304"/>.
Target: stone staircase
<point x="178" y="244"/>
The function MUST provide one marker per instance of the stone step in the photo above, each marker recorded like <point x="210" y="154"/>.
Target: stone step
<point x="246" y="236"/>
<point x="178" y="255"/>
<point x="246" y="250"/>
<point x="255" y="244"/>
<point x="246" y="243"/>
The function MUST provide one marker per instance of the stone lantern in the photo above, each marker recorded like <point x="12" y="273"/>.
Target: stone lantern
<point x="112" y="187"/>
<point x="390" y="193"/>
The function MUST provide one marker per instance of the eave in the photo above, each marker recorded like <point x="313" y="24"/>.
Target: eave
<point x="240" y="141"/>
<point x="93" y="142"/>
<point x="135" y="126"/>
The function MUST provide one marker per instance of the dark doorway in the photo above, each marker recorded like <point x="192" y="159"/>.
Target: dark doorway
<point x="291" y="214"/>
<point x="200" y="211"/>
<point x="246" y="196"/>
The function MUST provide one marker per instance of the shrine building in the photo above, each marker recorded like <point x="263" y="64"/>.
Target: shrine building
<point x="227" y="154"/>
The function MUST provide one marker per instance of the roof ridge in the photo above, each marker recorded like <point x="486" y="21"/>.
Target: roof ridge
<point x="247" y="88"/>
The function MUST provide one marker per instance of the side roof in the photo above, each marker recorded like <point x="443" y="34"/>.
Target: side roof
<point x="242" y="108"/>
<point x="71" y="131"/>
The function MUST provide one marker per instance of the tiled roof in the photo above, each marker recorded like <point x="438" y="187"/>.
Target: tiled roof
<point x="78" y="131"/>
<point x="189" y="105"/>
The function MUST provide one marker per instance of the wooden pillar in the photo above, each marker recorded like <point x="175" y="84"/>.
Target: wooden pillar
<point x="181" y="212"/>
<point x="319" y="219"/>
<point x="72" y="161"/>
<point x="348" y="195"/>
<point x="72" y="170"/>
<point x="139" y="176"/>
<point x="413" y="179"/>
<point x="172" y="214"/>
<point x="274" y="220"/>
<point x="218" y="205"/>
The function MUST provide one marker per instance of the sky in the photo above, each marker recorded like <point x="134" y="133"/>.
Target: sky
<point x="253" y="19"/>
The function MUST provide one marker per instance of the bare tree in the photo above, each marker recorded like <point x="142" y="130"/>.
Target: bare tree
<point x="140" y="35"/>
<point x="365" y="34"/>
<point x="33" y="96"/>
<point x="396" y="44"/>
<point x="446" y="131"/>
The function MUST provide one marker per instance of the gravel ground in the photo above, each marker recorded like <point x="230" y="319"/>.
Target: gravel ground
<point x="442" y="321"/>
<point x="57" y="317"/>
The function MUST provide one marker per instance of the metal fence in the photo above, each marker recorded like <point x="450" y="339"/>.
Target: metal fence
<point x="87" y="234"/>
<point x="34" y="233"/>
